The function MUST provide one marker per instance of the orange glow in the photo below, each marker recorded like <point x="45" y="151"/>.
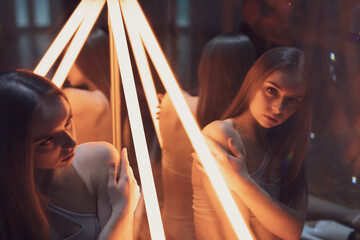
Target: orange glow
<point x="137" y="129"/>
<point x="189" y="122"/>
<point x="77" y="42"/>
<point x="63" y="38"/>
<point x="142" y="65"/>
<point x="115" y="93"/>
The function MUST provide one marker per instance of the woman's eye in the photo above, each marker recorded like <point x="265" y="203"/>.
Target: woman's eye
<point x="47" y="142"/>
<point x="271" y="91"/>
<point x="293" y="101"/>
<point x="68" y="123"/>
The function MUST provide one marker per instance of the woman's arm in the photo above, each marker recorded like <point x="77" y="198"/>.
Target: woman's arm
<point x="123" y="197"/>
<point x="115" y="201"/>
<point x="211" y="221"/>
<point x="281" y="220"/>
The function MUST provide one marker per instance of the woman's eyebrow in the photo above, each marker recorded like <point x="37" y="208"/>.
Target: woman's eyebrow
<point x="279" y="87"/>
<point x="275" y="84"/>
<point x="41" y="139"/>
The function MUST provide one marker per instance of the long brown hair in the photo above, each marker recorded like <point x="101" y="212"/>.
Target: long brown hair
<point x="94" y="60"/>
<point x="289" y="140"/>
<point x="224" y="63"/>
<point x="22" y="209"/>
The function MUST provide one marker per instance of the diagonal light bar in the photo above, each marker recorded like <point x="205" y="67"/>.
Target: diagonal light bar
<point x="63" y="38"/>
<point x="137" y="129"/>
<point x="189" y="123"/>
<point x="142" y="65"/>
<point x="77" y="42"/>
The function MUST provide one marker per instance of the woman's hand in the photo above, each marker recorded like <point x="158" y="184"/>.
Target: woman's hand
<point x="123" y="198"/>
<point x="231" y="166"/>
<point x="124" y="193"/>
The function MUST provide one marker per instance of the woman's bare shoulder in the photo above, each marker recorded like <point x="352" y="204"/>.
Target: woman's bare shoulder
<point x="219" y="127"/>
<point x="190" y="100"/>
<point x="96" y="151"/>
<point x="92" y="160"/>
<point x="221" y="131"/>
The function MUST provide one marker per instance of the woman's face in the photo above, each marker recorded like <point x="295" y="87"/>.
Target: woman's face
<point x="53" y="142"/>
<point x="278" y="98"/>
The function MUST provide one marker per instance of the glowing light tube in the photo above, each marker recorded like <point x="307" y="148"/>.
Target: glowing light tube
<point x="77" y="42"/>
<point x="142" y="65"/>
<point x="115" y="93"/>
<point x="189" y="123"/>
<point x="62" y="38"/>
<point x="142" y="154"/>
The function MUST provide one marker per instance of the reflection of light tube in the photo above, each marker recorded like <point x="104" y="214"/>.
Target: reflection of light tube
<point x="137" y="129"/>
<point x="77" y="42"/>
<point x="142" y="65"/>
<point x="189" y="123"/>
<point x="115" y="93"/>
<point x="62" y="38"/>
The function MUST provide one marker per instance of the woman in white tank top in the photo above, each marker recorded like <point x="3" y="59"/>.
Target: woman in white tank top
<point x="269" y="124"/>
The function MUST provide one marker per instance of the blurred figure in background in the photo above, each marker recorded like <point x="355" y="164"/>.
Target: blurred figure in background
<point x="89" y="94"/>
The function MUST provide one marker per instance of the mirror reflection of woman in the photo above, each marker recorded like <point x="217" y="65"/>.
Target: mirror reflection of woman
<point x="267" y="127"/>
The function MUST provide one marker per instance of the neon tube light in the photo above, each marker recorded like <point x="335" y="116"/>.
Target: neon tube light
<point x="142" y="65"/>
<point x="189" y="123"/>
<point x="142" y="155"/>
<point x="62" y="38"/>
<point x="77" y="42"/>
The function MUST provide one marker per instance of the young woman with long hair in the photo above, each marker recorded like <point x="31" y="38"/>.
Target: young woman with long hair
<point x="223" y="65"/>
<point x="268" y="122"/>
<point x="49" y="187"/>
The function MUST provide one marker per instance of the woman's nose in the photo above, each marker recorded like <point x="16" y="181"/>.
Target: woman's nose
<point x="279" y="106"/>
<point x="68" y="140"/>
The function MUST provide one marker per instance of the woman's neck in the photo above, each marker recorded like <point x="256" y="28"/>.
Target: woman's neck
<point x="247" y="125"/>
<point x="46" y="179"/>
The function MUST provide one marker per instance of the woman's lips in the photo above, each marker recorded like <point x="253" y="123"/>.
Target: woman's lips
<point x="272" y="119"/>
<point x="68" y="157"/>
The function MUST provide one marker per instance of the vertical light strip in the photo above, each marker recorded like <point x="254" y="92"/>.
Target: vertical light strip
<point x="77" y="42"/>
<point x="142" y="65"/>
<point x="190" y="124"/>
<point x="137" y="129"/>
<point x="115" y="92"/>
<point x="62" y="38"/>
